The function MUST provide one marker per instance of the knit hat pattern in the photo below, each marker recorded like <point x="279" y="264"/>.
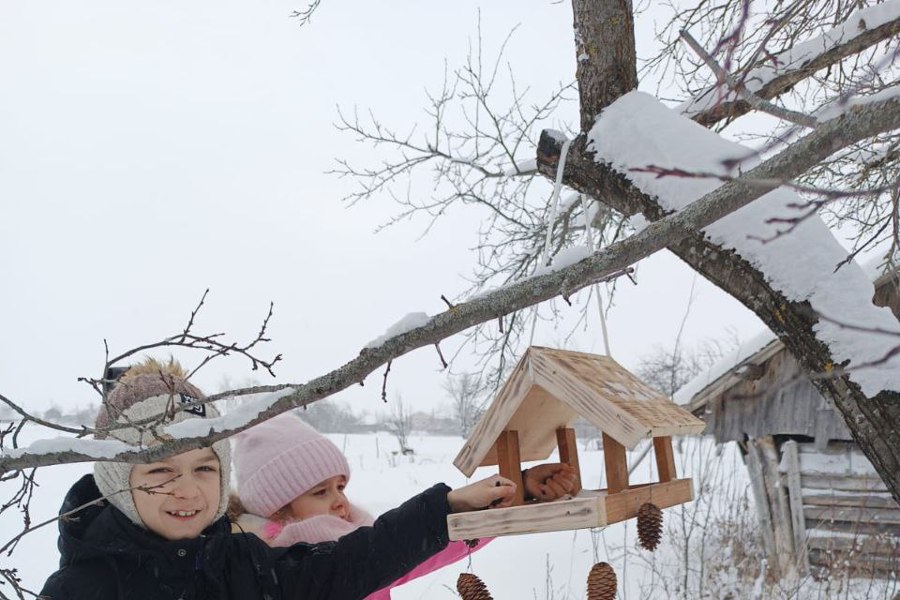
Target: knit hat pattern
<point x="281" y="459"/>
<point x="144" y="404"/>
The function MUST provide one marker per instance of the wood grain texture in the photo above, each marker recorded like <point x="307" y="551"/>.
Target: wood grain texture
<point x="509" y="462"/>
<point x="616" y="464"/>
<point x="549" y="389"/>
<point x="665" y="458"/>
<point x="591" y="508"/>
<point x="630" y="403"/>
<point x="568" y="453"/>
<point x="791" y="462"/>
<point x="562" y="515"/>
<point x="495" y="419"/>
<point x="624" y="505"/>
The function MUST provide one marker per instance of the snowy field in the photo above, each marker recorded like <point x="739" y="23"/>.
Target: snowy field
<point x="709" y="550"/>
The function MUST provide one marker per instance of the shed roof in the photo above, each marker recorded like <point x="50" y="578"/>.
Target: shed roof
<point x="549" y="389"/>
<point x="730" y="371"/>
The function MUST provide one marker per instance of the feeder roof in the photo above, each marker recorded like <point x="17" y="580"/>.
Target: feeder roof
<point x="549" y="389"/>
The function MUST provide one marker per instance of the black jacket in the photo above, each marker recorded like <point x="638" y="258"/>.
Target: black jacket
<point x="104" y="556"/>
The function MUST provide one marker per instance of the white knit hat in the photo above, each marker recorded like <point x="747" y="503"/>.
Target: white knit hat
<point x="160" y="393"/>
<point x="281" y="459"/>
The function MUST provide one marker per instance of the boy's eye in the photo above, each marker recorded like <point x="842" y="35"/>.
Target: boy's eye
<point x="158" y="470"/>
<point x="207" y="469"/>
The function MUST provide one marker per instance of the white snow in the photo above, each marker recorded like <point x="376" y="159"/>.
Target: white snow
<point x="523" y="166"/>
<point x="863" y="20"/>
<point x="408" y="323"/>
<point x="872" y="268"/>
<point x="746" y="349"/>
<point x="562" y="259"/>
<point x="88" y="446"/>
<point x="560" y="561"/>
<point x="249" y="407"/>
<point x="839" y="107"/>
<point x="637" y="132"/>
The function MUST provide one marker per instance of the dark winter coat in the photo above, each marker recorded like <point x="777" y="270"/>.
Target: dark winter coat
<point x="104" y="556"/>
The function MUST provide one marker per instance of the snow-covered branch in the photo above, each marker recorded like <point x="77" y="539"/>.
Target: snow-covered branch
<point x="779" y="73"/>
<point x="856" y="125"/>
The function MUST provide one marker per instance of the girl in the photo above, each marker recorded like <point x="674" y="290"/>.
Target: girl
<point x="292" y="481"/>
<point x="157" y="531"/>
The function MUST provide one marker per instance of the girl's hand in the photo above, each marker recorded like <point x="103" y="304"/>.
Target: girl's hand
<point x="549" y="481"/>
<point x="495" y="491"/>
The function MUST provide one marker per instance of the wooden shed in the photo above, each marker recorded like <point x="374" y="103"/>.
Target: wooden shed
<point x="533" y="415"/>
<point x="822" y="506"/>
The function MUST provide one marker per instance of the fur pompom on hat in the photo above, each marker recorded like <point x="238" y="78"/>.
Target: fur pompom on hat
<point x="147" y="397"/>
<point x="280" y="459"/>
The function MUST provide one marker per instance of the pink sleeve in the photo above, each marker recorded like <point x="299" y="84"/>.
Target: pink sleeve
<point x="449" y="555"/>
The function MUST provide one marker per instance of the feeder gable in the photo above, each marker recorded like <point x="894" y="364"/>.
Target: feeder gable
<point x="549" y="389"/>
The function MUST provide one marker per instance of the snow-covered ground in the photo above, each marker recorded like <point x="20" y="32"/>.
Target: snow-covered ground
<point x="720" y="559"/>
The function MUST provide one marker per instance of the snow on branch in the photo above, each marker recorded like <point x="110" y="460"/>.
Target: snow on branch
<point x="641" y="138"/>
<point x="712" y="205"/>
<point x="864" y="29"/>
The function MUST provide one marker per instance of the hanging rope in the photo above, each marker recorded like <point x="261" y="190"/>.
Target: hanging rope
<point x="589" y="238"/>
<point x="554" y="208"/>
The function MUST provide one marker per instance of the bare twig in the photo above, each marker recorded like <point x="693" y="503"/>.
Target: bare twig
<point x="305" y="16"/>
<point x="752" y="99"/>
<point x="387" y="370"/>
<point x="444" y="364"/>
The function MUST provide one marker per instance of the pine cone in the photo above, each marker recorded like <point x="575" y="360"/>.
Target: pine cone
<point x="649" y="525"/>
<point x="470" y="587"/>
<point x="601" y="582"/>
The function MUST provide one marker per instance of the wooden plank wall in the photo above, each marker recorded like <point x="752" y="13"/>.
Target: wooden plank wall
<point x="771" y="498"/>
<point x="780" y="401"/>
<point x="852" y="522"/>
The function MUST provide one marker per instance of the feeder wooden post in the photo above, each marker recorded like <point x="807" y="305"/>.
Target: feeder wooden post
<point x="665" y="458"/>
<point x="568" y="453"/>
<point x="616" y="465"/>
<point x="509" y="462"/>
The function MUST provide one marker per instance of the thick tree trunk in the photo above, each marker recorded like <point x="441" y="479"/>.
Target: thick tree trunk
<point x="874" y="422"/>
<point x="606" y="60"/>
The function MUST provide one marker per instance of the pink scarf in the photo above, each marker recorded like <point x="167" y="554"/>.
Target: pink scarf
<point x="326" y="528"/>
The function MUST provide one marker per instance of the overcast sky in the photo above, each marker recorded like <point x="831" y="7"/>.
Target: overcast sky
<point x="149" y="151"/>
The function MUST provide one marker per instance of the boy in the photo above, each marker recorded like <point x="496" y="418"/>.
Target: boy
<point x="157" y="530"/>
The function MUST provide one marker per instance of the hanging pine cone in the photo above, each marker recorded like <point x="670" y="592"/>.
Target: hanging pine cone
<point x="649" y="526"/>
<point x="470" y="587"/>
<point x="602" y="582"/>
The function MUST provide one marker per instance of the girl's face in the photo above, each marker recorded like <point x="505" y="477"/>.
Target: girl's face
<point x="327" y="498"/>
<point x="178" y="497"/>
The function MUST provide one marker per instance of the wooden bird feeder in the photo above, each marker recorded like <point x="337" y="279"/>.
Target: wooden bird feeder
<point x="534" y="413"/>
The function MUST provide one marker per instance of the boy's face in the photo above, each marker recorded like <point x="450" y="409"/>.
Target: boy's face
<point x="327" y="498"/>
<point x="178" y="497"/>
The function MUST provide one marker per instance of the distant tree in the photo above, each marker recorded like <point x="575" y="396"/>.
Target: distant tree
<point x="53" y="414"/>
<point x="467" y="397"/>
<point x="668" y="370"/>
<point x="85" y="415"/>
<point x="329" y="416"/>
<point x="399" y="424"/>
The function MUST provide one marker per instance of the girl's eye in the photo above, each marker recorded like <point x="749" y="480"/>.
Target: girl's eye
<point x="319" y="493"/>
<point x="341" y="488"/>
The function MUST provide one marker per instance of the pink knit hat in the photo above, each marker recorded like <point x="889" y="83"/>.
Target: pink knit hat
<point x="280" y="459"/>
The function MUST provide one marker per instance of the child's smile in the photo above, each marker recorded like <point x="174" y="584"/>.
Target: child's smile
<point x="177" y="498"/>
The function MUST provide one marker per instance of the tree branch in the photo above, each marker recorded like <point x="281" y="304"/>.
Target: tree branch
<point x="856" y="125"/>
<point x="783" y="82"/>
